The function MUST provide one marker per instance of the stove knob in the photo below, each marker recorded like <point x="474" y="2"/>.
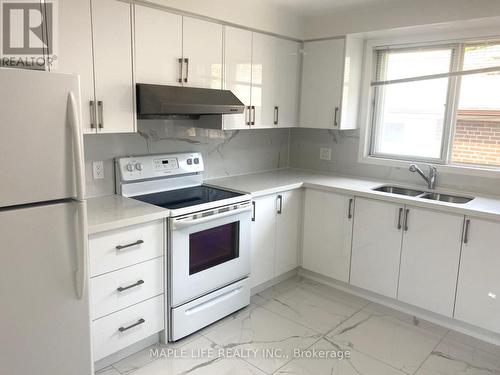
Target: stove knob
<point x="130" y="167"/>
<point x="190" y="161"/>
<point x="138" y="166"/>
<point x="196" y="161"/>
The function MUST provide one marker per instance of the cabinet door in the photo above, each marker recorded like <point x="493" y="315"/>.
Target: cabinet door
<point x="238" y="72"/>
<point x="327" y="234"/>
<point x="376" y="246"/>
<point x="287" y="83"/>
<point x="478" y="294"/>
<point x="289" y="206"/>
<point x="429" y="259"/>
<point x="322" y="79"/>
<point x="112" y="29"/>
<point x="263" y="80"/>
<point x="158" y="46"/>
<point x="263" y="239"/>
<point x="202" y="47"/>
<point x="74" y="52"/>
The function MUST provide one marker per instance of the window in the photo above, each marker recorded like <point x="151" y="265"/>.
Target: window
<point x="437" y="103"/>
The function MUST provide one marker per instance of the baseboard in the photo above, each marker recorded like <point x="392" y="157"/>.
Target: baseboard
<point x="129" y="350"/>
<point x="278" y="279"/>
<point x="450" y="323"/>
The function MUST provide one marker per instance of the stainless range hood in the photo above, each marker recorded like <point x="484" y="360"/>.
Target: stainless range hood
<point x="167" y="102"/>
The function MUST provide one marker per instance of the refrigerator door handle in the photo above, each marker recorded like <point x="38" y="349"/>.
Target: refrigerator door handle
<point x="82" y="242"/>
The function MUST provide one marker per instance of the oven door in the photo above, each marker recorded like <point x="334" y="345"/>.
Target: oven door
<point x="208" y="251"/>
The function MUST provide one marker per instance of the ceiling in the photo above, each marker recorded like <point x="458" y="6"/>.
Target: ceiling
<point x="310" y="7"/>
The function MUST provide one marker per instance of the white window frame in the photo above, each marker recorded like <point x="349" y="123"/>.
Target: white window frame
<point x="367" y="102"/>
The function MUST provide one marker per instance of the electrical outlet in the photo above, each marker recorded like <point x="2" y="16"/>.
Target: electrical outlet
<point x="98" y="170"/>
<point x="325" y="153"/>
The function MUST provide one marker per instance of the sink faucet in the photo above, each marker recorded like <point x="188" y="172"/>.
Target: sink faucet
<point x="431" y="180"/>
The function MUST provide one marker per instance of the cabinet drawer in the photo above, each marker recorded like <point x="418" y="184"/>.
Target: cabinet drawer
<point x="110" y="334"/>
<point x="124" y="247"/>
<point x="116" y="290"/>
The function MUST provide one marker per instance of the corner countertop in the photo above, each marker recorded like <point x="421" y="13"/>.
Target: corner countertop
<point x="265" y="183"/>
<point x="114" y="211"/>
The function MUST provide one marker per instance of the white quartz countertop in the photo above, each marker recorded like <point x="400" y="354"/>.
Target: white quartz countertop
<point x="259" y="184"/>
<point x="114" y="211"/>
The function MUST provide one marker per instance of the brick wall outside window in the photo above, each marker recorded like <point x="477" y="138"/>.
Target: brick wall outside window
<point x="477" y="141"/>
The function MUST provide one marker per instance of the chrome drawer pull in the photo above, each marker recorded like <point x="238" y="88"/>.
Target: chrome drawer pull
<point x="122" y="288"/>
<point x="139" y="322"/>
<point x="121" y="247"/>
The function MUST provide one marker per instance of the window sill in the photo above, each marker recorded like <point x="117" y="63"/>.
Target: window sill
<point x="472" y="171"/>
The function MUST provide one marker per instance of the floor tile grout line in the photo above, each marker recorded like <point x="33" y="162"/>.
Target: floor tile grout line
<point x="432" y="351"/>
<point x="292" y="358"/>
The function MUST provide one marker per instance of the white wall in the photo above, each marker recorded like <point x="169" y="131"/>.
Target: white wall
<point x="262" y="15"/>
<point x="397" y="13"/>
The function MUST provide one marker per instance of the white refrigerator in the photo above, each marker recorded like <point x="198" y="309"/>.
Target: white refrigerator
<point x="44" y="302"/>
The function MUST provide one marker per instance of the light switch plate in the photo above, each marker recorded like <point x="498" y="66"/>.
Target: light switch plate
<point x="98" y="170"/>
<point x="325" y="153"/>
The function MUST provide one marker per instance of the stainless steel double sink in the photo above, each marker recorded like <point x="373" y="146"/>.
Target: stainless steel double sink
<point x="457" y="199"/>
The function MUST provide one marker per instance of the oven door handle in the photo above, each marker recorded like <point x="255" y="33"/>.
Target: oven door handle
<point x="184" y="223"/>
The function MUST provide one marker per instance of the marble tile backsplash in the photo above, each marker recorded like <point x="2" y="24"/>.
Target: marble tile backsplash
<point x="304" y="153"/>
<point x="224" y="152"/>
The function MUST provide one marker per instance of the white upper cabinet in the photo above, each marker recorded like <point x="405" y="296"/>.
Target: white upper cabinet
<point x="263" y="72"/>
<point x="287" y="73"/>
<point x="158" y="46"/>
<point x="74" y="52"/>
<point x="114" y="89"/>
<point x="327" y="233"/>
<point x="263" y="81"/>
<point x="331" y="78"/>
<point x="429" y="259"/>
<point x="202" y="53"/>
<point x="478" y="293"/>
<point x="376" y="246"/>
<point x="238" y="73"/>
<point x="288" y="219"/>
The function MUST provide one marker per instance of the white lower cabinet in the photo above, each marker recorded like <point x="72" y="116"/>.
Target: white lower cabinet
<point x="126" y="286"/>
<point x="327" y="233"/>
<point x="287" y="231"/>
<point x="478" y="293"/>
<point x="376" y="246"/>
<point x="429" y="259"/>
<point x="275" y="233"/>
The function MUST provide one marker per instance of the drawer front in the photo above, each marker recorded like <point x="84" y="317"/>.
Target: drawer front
<point x="124" y="247"/>
<point x="110" y="334"/>
<point x="119" y="289"/>
<point x="205" y="310"/>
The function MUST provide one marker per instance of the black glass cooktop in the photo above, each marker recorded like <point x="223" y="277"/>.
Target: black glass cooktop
<point x="187" y="197"/>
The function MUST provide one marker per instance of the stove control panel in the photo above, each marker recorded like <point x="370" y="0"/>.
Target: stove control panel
<point x="145" y="167"/>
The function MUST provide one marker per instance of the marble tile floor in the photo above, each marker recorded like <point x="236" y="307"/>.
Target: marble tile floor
<point x="305" y="328"/>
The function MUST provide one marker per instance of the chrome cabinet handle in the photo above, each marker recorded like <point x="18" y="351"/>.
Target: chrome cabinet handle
<point x="349" y="210"/>
<point x="123" y="288"/>
<point x="335" y="117"/>
<point x="92" y="114"/>
<point x="181" y="65"/>
<point x="466" y="231"/>
<point x="253" y="116"/>
<point x="280" y="207"/>
<point x="276" y="115"/>
<point x="121" y="247"/>
<point x="248" y="114"/>
<point x="253" y="210"/>
<point x="399" y="217"/>
<point x="406" y="219"/>
<point x="139" y="322"/>
<point x="100" y="106"/>
<point x="186" y="60"/>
